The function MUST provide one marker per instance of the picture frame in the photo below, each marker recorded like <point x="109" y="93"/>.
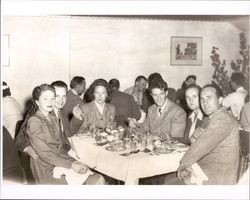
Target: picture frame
<point x="186" y="50"/>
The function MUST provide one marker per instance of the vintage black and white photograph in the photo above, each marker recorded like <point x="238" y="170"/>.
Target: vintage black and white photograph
<point x="101" y="102"/>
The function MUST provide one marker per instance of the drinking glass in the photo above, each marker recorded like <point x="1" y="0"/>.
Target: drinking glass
<point x="143" y="139"/>
<point x="92" y="130"/>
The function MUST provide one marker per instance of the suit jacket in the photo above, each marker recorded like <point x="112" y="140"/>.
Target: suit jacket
<point x="71" y="102"/>
<point x="171" y="123"/>
<point x="217" y="150"/>
<point x="11" y="163"/>
<point x="91" y="115"/>
<point x="64" y="129"/>
<point x="44" y="137"/>
<point x="21" y="139"/>
<point x="125" y="106"/>
<point x="188" y="127"/>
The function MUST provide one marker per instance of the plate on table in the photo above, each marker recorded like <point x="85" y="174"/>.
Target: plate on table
<point x="102" y="142"/>
<point x="115" y="148"/>
<point x="163" y="150"/>
<point x="179" y="145"/>
<point x="83" y="135"/>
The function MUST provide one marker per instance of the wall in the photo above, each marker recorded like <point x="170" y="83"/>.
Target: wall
<point x="44" y="49"/>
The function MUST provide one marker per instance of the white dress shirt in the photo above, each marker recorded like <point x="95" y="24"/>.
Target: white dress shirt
<point x="194" y="120"/>
<point x="235" y="101"/>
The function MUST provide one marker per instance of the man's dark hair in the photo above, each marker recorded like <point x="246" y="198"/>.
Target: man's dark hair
<point x="60" y="84"/>
<point x="193" y="86"/>
<point x="191" y="76"/>
<point x="238" y="78"/>
<point x="6" y="91"/>
<point x="219" y="92"/>
<point x="75" y="81"/>
<point x="114" y="83"/>
<point x="161" y="84"/>
<point x="154" y="77"/>
<point x="138" y="78"/>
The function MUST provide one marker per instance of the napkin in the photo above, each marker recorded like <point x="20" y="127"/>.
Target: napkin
<point x="73" y="154"/>
<point x="71" y="176"/>
<point x="199" y="176"/>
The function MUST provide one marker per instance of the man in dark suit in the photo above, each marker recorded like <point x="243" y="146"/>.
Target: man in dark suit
<point x="125" y="105"/>
<point x="78" y="86"/>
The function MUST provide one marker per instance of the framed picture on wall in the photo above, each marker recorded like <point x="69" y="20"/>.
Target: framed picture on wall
<point x="186" y="51"/>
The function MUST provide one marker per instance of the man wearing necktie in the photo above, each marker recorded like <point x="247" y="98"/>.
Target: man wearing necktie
<point x="63" y="126"/>
<point x="165" y="119"/>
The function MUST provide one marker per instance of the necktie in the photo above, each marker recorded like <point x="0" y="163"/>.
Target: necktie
<point x="159" y="111"/>
<point x="62" y="133"/>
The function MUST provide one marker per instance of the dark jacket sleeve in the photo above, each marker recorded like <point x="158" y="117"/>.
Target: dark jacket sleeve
<point x="75" y="125"/>
<point x="135" y="109"/>
<point x="21" y="140"/>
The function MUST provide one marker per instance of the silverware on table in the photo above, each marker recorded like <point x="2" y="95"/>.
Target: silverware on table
<point x="131" y="152"/>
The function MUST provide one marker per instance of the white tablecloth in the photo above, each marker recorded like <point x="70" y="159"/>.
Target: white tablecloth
<point x="126" y="168"/>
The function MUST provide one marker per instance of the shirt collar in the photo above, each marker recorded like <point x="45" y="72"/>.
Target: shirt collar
<point x="56" y="111"/>
<point x="220" y="109"/>
<point x="240" y="89"/>
<point x="164" y="105"/>
<point x="199" y="116"/>
<point x="100" y="107"/>
<point x="74" y="92"/>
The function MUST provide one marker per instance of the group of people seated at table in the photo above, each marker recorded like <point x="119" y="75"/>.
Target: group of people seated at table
<point x="210" y="125"/>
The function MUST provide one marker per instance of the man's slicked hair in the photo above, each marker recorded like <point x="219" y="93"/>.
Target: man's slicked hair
<point x="75" y="81"/>
<point x="219" y="92"/>
<point x="60" y="84"/>
<point x="161" y="84"/>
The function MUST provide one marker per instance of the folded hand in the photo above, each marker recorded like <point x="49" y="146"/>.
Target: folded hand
<point x="184" y="173"/>
<point x="79" y="167"/>
<point x="29" y="150"/>
<point x="197" y="133"/>
<point x="77" y="112"/>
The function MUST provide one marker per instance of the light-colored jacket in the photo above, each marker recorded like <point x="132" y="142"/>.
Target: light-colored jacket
<point x="217" y="150"/>
<point x="91" y="115"/>
<point x="171" y="123"/>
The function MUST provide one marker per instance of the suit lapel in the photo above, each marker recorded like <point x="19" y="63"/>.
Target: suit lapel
<point x="187" y="131"/>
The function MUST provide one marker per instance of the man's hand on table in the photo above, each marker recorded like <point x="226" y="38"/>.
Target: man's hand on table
<point x="79" y="167"/>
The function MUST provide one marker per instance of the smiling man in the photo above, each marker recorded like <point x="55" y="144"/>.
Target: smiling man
<point x="216" y="150"/>
<point x="165" y="119"/>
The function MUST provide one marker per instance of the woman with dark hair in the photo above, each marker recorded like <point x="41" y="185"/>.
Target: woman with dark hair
<point x="44" y="136"/>
<point x="98" y="112"/>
